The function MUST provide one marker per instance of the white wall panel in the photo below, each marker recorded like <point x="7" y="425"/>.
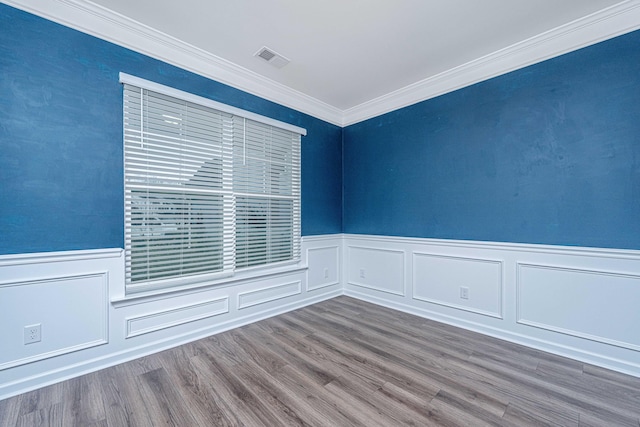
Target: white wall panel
<point x="324" y="267"/>
<point x="593" y="304"/>
<point x="376" y="268"/>
<point x="152" y="322"/>
<point x="89" y="323"/>
<point x="438" y="279"/>
<point x="268" y="294"/>
<point x="576" y="302"/>
<point x="78" y="322"/>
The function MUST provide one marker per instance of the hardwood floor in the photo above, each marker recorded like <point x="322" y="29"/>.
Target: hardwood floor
<point x="342" y="362"/>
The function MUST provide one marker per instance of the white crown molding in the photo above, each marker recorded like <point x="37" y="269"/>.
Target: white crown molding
<point x="105" y="24"/>
<point x="616" y="20"/>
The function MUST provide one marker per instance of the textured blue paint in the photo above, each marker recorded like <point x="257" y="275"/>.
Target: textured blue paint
<point x="61" y="185"/>
<point x="548" y="154"/>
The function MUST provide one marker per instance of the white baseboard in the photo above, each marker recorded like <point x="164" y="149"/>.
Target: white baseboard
<point x="571" y="301"/>
<point x="79" y="306"/>
<point x="539" y="296"/>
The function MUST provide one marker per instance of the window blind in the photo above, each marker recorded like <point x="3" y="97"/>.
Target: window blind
<point x="178" y="193"/>
<point x="207" y="192"/>
<point x="266" y="183"/>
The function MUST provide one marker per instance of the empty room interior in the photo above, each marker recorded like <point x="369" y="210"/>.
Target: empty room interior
<point x="334" y="213"/>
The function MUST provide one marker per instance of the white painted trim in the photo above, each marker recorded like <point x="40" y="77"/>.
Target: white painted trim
<point x="104" y="339"/>
<point x="288" y="293"/>
<point x="98" y="21"/>
<point x="23" y="385"/>
<point x="206" y="102"/>
<point x="375" y="288"/>
<point x="143" y="298"/>
<point x="521" y="320"/>
<point x="498" y="315"/>
<point x="599" y="26"/>
<point x="321" y="238"/>
<point x="131" y="330"/>
<point x="519" y="247"/>
<point x="624" y="366"/>
<point x="66" y="256"/>
<point x="338" y="264"/>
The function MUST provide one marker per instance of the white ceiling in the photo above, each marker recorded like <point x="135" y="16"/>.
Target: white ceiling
<point x="347" y="54"/>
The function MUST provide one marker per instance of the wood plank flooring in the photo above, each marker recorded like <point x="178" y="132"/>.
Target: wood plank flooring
<point x="342" y="362"/>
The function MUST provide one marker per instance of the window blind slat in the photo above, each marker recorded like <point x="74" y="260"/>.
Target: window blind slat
<point x="205" y="191"/>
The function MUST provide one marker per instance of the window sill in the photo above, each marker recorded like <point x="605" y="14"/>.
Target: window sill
<point x="159" y="294"/>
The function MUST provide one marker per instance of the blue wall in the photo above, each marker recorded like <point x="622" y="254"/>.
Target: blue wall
<point x="548" y="154"/>
<point x="61" y="138"/>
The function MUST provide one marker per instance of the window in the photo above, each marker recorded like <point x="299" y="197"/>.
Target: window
<point x="209" y="189"/>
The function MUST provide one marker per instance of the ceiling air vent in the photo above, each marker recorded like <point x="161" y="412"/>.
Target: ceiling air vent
<point x="272" y="57"/>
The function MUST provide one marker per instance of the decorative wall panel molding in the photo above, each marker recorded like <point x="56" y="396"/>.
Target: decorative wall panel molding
<point x="572" y="301"/>
<point x="377" y="268"/>
<point x="89" y="323"/>
<point x="144" y="324"/>
<point x="597" y="305"/>
<point x="268" y="294"/>
<point x="79" y="322"/>
<point x="441" y="279"/>
<point x="324" y="267"/>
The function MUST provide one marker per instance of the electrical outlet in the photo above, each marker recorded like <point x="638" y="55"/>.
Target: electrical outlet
<point x="326" y="273"/>
<point x="32" y="333"/>
<point x="464" y="292"/>
<point x="362" y="275"/>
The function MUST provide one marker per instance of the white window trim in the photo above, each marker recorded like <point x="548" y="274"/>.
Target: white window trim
<point x="182" y="284"/>
<point x="185" y="96"/>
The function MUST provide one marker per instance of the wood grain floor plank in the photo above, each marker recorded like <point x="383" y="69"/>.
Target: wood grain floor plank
<point x="82" y="401"/>
<point x="164" y="404"/>
<point x="207" y="408"/>
<point x="248" y="406"/>
<point x="336" y="411"/>
<point x="10" y="410"/>
<point x="342" y="362"/>
<point x="573" y="400"/>
<point x="413" y="404"/>
<point x="431" y="366"/>
<point x="525" y="417"/>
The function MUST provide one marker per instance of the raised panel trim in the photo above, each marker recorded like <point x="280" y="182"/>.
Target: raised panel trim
<point x="375" y="288"/>
<point x="104" y="339"/>
<point x="498" y="315"/>
<point x="552" y="328"/>
<point x="51" y="257"/>
<point x="218" y="306"/>
<point x="583" y="251"/>
<point x="330" y="283"/>
<point x="288" y="289"/>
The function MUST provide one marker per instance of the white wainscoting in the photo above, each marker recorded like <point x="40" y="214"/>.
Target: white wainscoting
<point x="441" y="280"/>
<point x="27" y="302"/>
<point x="268" y="294"/>
<point x="163" y="319"/>
<point x="576" y="302"/>
<point x="597" y="305"/>
<point x="88" y="323"/>
<point x="324" y="267"/>
<point x="377" y="268"/>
